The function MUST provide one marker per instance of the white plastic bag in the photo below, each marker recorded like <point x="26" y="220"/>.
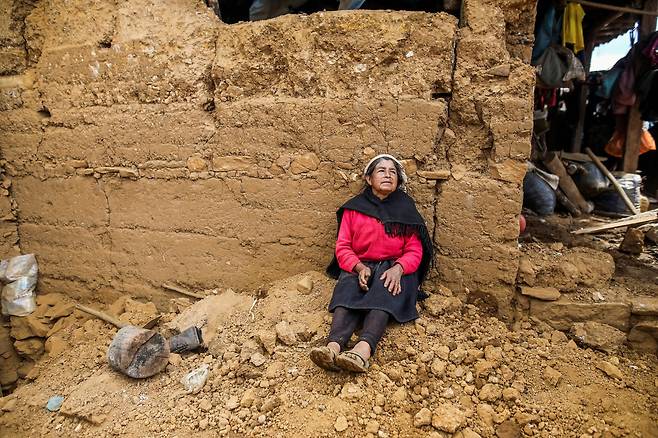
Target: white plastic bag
<point x="20" y="275"/>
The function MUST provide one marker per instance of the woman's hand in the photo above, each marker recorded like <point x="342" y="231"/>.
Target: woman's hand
<point x="364" y="275"/>
<point x="391" y="278"/>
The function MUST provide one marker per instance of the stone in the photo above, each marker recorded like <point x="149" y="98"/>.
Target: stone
<point x="458" y="355"/>
<point x="305" y="285"/>
<point x="493" y="354"/>
<point x="175" y="359"/>
<point x="400" y="395"/>
<point x="196" y="164"/>
<point x="231" y="163"/>
<point x="434" y="174"/>
<point x="486" y="413"/>
<point x="341" y="424"/>
<point x="285" y="333"/>
<point x="248" y="398"/>
<point x="372" y="426"/>
<point x="423" y="418"/>
<point x="508" y="429"/>
<point x="651" y="234"/>
<point x="30" y="347"/>
<point x="558" y="337"/>
<point x="633" y="242"/>
<point x="448" y="418"/>
<point x="267" y="340"/>
<point x="562" y="314"/>
<point x="599" y="336"/>
<point x="645" y="306"/>
<point x="23" y="327"/>
<point x="125" y="172"/>
<point x="437" y="305"/>
<point x="443" y="352"/>
<point x="438" y="367"/>
<point x="270" y="404"/>
<point x="610" y="370"/>
<point x="467" y="433"/>
<point x="8" y="403"/>
<point x="552" y="376"/>
<point x="257" y="359"/>
<point x="490" y="392"/>
<point x="304" y="163"/>
<point x="541" y="293"/>
<point x="527" y="271"/>
<point x="483" y="368"/>
<point x="524" y="418"/>
<point x="205" y="405"/>
<point x="55" y="346"/>
<point x="511" y="394"/>
<point x="642" y="340"/>
<point x="351" y="391"/>
<point x="60" y="311"/>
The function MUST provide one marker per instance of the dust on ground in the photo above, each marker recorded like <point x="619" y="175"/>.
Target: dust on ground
<point x="454" y="372"/>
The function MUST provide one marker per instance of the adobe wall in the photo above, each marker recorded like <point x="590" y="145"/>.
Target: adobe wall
<point x="148" y="143"/>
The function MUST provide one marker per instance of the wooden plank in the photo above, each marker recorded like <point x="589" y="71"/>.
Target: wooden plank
<point x="638" y="219"/>
<point x="647" y="12"/>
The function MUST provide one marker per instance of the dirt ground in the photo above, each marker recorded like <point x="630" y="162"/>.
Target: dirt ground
<point x="456" y="372"/>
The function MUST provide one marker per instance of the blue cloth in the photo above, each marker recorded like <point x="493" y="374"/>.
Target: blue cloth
<point x="547" y="31"/>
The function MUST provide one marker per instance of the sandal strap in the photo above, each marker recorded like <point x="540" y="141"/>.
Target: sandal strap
<point x="355" y="355"/>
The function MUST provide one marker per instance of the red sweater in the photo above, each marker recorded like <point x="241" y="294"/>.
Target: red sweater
<point x="363" y="237"/>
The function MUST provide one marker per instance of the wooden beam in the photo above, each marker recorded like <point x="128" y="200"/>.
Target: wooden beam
<point x="647" y="11"/>
<point x="634" y="128"/>
<point x="639" y="219"/>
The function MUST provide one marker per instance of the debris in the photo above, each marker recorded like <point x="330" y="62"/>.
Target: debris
<point x="137" y="352"/>
<point x="448" y="418"/>
<point x="341" y="424"/>
<point x="305" y="285"/>
<point x="285" y="333"/>
<point x="610" y="370"/>
<point x="633" y="242"/>
<point x="552" y="376"/>
<point x="598" y="335"/>
<point x="19" y="274"/>
<point x="541" y="293"/>
<point x="54" y="403"/>
<point x="423" y="418"/>
<point x="257" y="359"/>
<point x="195" y="380"/>
<point x="188" y="340"/>
<point x="638" y="219"/>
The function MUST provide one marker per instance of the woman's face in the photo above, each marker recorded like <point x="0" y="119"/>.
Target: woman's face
<point x="384" y="179"/>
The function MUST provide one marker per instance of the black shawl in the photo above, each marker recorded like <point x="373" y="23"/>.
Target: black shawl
<point x="400" y="217"/>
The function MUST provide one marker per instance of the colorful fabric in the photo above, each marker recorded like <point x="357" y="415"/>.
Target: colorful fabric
<point x="363" y="237"/>
<point x="572" y="26"/>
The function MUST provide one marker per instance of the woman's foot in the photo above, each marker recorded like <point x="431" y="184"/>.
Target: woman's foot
<point x="355" y="360"/>
<point x="325" y="357"/>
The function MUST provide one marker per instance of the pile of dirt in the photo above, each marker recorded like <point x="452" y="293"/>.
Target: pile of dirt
<point x="454" y="372"/>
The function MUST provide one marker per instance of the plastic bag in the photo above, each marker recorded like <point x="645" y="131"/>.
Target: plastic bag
<point x="611" y="202"/>
<point x="20" y="275"/>
<point x="195" y="379"/>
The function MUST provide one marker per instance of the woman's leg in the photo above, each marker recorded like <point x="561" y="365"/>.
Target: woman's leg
<point x="343" y="324"/>
<point x="374" y="326"/>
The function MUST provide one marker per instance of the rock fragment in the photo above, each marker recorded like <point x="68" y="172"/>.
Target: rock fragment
<point x="285" y="333"/>
<point x="341" y="424"/>
<point x="552" y="376"/>
<point x="448" y="418"/>
<point x="598" y="335"/>
<point x="305" y="285"/>
<point x="541" y="293"/>
<point x="610" y="370"/>
<point x="423" y="418"/>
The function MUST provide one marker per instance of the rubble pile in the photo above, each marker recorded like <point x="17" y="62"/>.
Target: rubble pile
<point x="455" y="372"/>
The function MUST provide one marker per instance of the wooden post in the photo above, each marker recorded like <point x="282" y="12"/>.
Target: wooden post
<point x="634" y="129"/>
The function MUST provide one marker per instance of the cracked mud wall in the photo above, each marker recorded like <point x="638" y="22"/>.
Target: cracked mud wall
<point x="149" y="143"/>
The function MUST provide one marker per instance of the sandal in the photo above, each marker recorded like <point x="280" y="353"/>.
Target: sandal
<point x="324" y="357"/>
<point x="352" y="361"/>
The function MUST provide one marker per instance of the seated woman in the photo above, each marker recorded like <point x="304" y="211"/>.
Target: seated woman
<point x="383" y="252"/>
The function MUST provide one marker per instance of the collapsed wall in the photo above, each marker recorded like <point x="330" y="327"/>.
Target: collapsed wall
<point x="148" y="143"/>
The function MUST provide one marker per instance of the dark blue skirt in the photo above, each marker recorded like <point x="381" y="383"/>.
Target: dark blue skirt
<point x="401" y="307"/>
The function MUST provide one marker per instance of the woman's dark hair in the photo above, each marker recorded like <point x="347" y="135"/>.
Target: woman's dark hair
<point x="374" y="164"/>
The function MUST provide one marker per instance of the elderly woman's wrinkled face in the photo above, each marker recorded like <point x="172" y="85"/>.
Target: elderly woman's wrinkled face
<point x="384" y="179"/>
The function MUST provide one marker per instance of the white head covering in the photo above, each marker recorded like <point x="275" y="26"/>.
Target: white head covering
<point x="402" y="178"/>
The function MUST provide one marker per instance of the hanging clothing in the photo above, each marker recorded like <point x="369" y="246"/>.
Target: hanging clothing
<point x="548" y="30"/>
<point x="572" y="26"/>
